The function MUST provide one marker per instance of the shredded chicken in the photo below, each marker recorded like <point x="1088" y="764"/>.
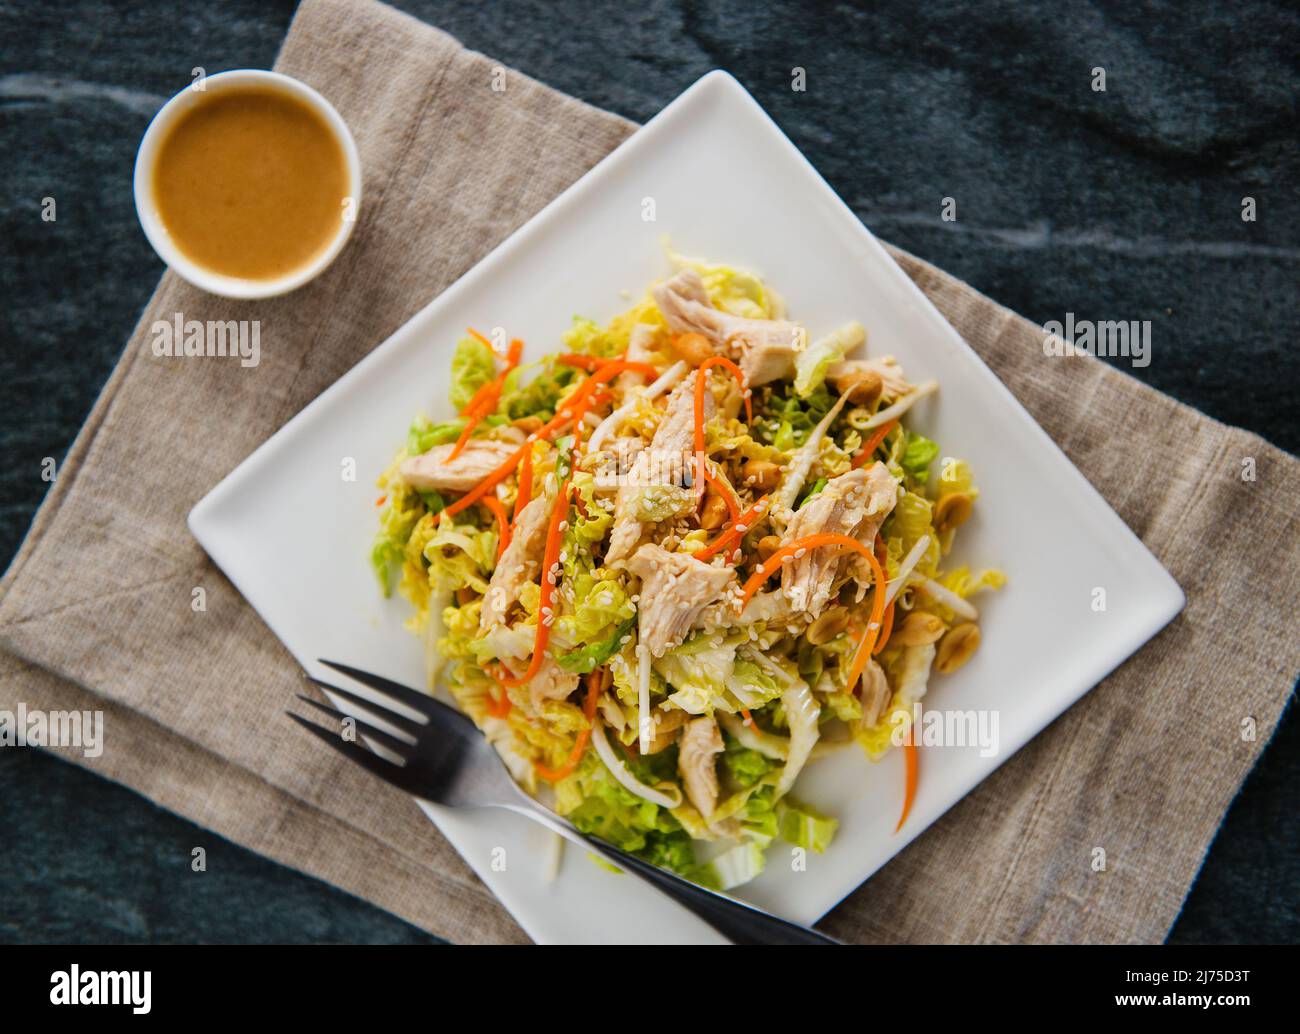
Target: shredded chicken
<point x="550" y="683"/>
<point x="855" y="503"/>
<point x="432" y="471"/>
<point x="766" y="348"/>
<point x="653" y="474"/>
<point x="675" y="589"/>
<point x="520" y="564"/>
<point x="875" y="694"/>
<point x="700" y="742"/>
<point x="614" y="461"/>
<point x="640" y="349"/>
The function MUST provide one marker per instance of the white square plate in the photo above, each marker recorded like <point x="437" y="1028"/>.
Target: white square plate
<point x="729" y="186"/>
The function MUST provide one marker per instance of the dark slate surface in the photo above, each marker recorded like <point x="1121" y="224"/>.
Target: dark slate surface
<point x="1117" y="205"/>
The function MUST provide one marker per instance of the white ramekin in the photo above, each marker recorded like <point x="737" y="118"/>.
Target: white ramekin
<point x="146" y="206"/>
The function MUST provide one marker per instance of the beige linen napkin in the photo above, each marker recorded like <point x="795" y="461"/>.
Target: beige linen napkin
<point x="96" y="608"/>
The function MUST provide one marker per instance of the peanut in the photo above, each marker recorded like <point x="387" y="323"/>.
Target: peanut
<point x="763" y="475"/>
<point x="715" y="512"/>
<point x="694" y="348"/>
<point x="917" y="629"/>
<point x="863" y="387"/>
<point x="956" y="647"/>
<point x="528" y="424"/>
<point x="952" y="511"/>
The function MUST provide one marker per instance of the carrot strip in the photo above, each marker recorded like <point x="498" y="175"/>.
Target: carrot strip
<point x="485" y="400"/>
<point x="590" y="363"/>
<point x="910" y="760"/>
<point x="701" y="384"/>
<point x="475" y="334"/>
<point x="773" y="564"/>
<point x="873" y="443"/>
<point x="381" y="500"/>
<point x="554" y="775"/>
<point x="873" y="625"/>
<point x="547" y="431"/>
<point x="503" y="522"/>
<point x="550" y="557"/>
<point x="886" y="629"/>
<point x="734" y="534"/>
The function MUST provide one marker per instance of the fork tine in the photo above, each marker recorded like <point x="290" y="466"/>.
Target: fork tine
<point x="371" y="762"/>
<point x="407" y="725"/>
<point x="422" y="702"/>
<point x="393" y="743"/>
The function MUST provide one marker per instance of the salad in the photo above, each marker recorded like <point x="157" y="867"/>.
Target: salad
<point x="673" y="563"/>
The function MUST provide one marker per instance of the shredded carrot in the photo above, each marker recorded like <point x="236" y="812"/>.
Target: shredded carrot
<point x="887" y="623"/>
<point x="588" y="395"/>
<point x="554" y="775"/>
<point x="910" y="760"/>
<point x="381" y="500"/>
<point x="749" y="718"/>
<point x="734" y="534"/>
<point x="485" y="400"/>
<point x="886" y="629"/>
<point x="590" y="363"/>
<point x="547" y="431"/>
<point x="701" y="384"/>
<point x="873" y="443"/>
<point x="550" y="557"/>
<point x="503" y="522"/>
<point x="873" y="625"/>
<point x="475" y="334"/>
<point x="773" y="564"/>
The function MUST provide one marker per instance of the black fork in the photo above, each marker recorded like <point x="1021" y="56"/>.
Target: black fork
<point x="442" y="757"/>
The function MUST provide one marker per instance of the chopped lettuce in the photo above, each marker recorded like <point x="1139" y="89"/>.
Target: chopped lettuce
<point x="598" y="805"/>
<point x="590" y="521"/>
<point x="803" y="827"/>
<point x="594" y="654"/>
<point x="424" y="434"/>
<point x="811" y="364"/>
<point x="460" y="555"/>
<point x="784" y="420"/>
<point x="472" y="366"/>
<point x="540" y="396"/>
<point x="746" y="767"/>
<point x="963" y="583"/>
<point x="918" y="454"/>
<point x="698" y="672"/>
<point x="397" y="520"/>
<point x="735" y="866"/>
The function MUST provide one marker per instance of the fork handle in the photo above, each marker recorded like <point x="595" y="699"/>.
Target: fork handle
<point x="739" y="922"/>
